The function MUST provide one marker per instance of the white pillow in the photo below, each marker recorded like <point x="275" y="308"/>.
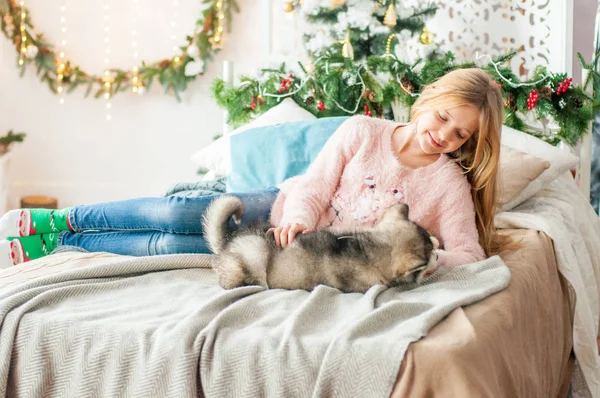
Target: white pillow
<point x="560" y="161"/>
<point x="215" y="157"/>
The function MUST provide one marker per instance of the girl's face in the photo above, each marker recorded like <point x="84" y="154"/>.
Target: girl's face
<point x="445" y="130"/>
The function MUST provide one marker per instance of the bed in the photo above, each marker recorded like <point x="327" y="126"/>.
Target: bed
<point x="486" y="349"/>
<point x="98" y="324"/>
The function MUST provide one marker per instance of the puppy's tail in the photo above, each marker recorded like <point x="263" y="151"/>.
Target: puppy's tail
<point x="216" y="218"/>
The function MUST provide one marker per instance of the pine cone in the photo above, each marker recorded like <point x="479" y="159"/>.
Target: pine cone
<point x="378" y="108"/>
<point x="207" y="26"/>
<point x="164" y="63"/>
<point x="578" y="102"/>
<point x="511" y="102"/>
<point x="310" y="100"/>
<point x="407" y="85"/>
<point x="369" y="95"/>
<point x="547" y="91"/>
<point x="45" y="51"/>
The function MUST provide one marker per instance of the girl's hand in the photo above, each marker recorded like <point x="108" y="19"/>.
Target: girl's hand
<point x="285" y="234"/>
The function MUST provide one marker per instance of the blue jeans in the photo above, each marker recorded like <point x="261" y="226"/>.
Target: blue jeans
<point x="153" y="226"/>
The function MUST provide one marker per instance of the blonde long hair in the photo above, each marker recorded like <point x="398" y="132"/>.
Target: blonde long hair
<point x="479" y="155"/>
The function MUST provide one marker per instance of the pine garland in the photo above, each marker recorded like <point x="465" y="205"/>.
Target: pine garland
<point x="7" y="140"/>
<point x="338" y="86"/>
<point x="171" y="73"/>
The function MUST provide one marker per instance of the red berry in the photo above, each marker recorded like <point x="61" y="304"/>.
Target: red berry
<point x="366" y="107"/>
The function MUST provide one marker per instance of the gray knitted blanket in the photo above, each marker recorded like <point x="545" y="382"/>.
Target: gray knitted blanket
<point x="161" y="327"/>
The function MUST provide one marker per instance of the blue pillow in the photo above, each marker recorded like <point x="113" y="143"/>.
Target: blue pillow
<point x="264" y="157"/>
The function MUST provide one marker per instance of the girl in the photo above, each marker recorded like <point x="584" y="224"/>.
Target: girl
<point x="442" y="164"/>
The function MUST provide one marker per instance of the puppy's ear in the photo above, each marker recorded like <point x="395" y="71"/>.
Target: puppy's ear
<point x="435" y="241"/>
<point x="421" y="275"/>
<point x="428" y="269"/>
<point x="403" y="210"/>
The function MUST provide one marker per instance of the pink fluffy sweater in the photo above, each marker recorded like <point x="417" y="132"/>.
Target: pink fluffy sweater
<point x="357" y="176"/>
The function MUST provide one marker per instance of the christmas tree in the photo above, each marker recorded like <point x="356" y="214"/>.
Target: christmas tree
<point x="360" y="28"/>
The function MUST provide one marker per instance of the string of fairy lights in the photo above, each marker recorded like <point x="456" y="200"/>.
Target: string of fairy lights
<point x="65" y="76"/>
<point x="22" y="28"/>
<point x="61" y="56"/>
<point x="136" y="86"/>
<point x="174" y="7"/>
<point x="107" y="78"/>
<point x="216" y="39"/>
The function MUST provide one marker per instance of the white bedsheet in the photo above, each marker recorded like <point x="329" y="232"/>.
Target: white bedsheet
<point x="563" y="213"/>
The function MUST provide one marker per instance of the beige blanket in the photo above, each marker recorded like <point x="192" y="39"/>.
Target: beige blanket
<point x="515" y="343"/>
<point x="158" y="327"/>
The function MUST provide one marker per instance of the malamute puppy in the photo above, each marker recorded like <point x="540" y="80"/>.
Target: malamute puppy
<point x="393" y="251"/>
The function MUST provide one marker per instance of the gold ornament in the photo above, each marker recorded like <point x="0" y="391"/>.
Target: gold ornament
<point x="426" y="36"/>
<point x="288" y="6"/>
<point x="390" y="19"/>
<point x="347" y="50"/>
<point x="337" y="3"/>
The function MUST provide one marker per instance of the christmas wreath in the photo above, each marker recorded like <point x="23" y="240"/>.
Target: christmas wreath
<point x="62" y="75"/>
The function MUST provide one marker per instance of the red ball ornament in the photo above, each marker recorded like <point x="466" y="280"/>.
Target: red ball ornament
<point x="321" y="105"/>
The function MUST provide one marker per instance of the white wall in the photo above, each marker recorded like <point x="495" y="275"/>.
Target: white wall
<point x="71" y="151"/>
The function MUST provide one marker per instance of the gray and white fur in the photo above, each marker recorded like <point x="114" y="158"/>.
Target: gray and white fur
<point x="394" y="251"/>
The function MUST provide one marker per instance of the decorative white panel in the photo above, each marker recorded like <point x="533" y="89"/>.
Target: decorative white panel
<point x="539" y="30"/>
